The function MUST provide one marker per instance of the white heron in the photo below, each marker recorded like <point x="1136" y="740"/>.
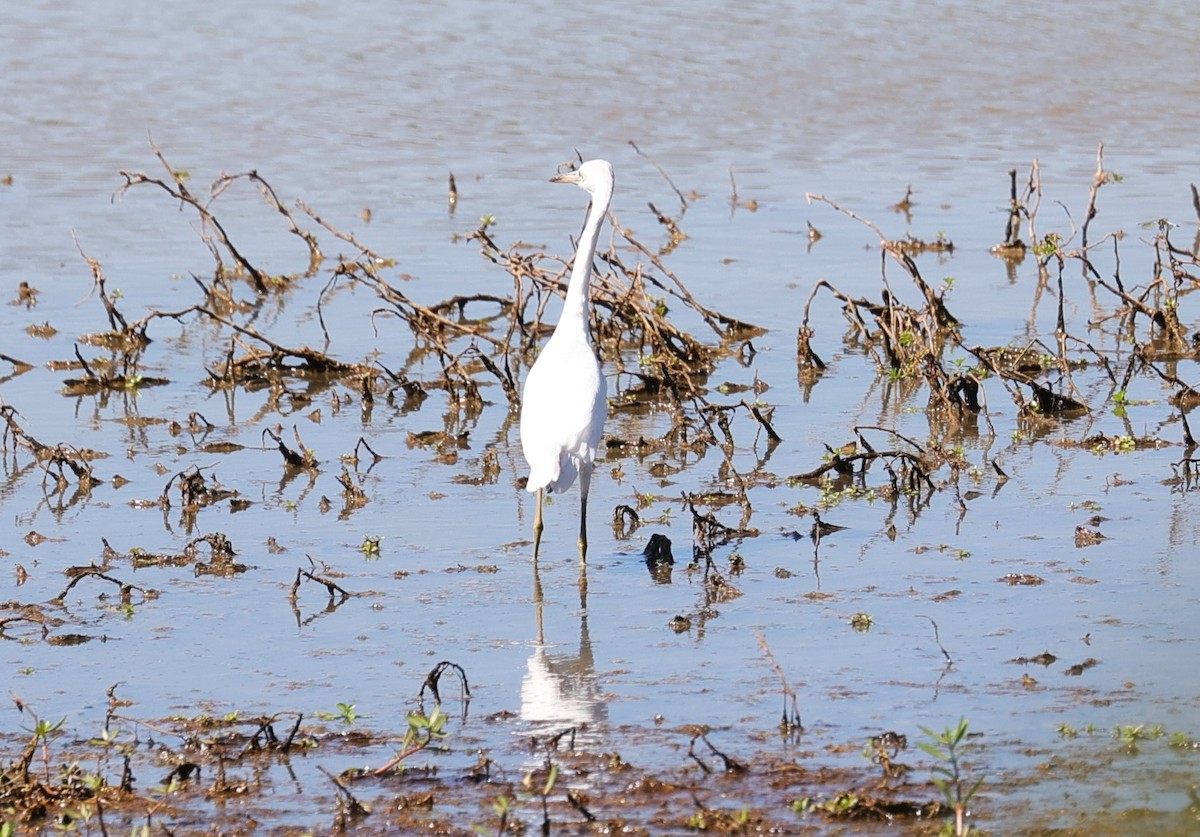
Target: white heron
<point x="565" y="400"/>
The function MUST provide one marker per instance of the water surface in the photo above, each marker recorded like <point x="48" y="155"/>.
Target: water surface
<point x="373" y="106"/>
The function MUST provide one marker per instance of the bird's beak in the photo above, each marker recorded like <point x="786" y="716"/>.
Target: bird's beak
<point x="566" y="177"/>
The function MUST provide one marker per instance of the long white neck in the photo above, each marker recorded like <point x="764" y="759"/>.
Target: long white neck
<point x="575" y="308"/>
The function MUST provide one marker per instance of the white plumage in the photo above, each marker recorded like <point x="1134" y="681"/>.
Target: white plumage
<point x="564" y="402"/>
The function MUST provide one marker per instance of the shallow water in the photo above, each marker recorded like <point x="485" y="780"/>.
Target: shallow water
<point x="373" y="106"/>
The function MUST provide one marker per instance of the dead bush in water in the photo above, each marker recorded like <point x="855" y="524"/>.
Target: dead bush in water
<point x="913" y="343"/>
<point x="475" y="340"/>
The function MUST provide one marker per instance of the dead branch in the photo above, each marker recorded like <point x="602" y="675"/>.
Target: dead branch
<point x="178" y="190"/>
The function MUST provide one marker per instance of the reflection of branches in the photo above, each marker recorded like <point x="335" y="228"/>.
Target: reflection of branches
<point x="938" y="639"/>
<point x="19" y="435"/>
<point x="708" y="532"/>
<point x="949" y="667"/>
<point x="914" y="473"/>
<point x="300" y="458"/>
<point x="194" y="490"/>
<point x="126" y="590"/>
<point x="435" y="675"/>
<point x="331" y="586"/>
<point x="311" y="359"/>
<point x="763" y="420"/>
<point x="790" y="723"/>
<point x="1187" y="474"/>
<point x="458" y="382"/>
<point x="731" y="764"/>
<point x="331" y="606"/>
<point x="50" y="457"/>
<point x="20" y="367"/>
<point x="337" y="594"/>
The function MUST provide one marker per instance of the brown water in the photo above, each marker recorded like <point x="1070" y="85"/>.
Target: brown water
<point x="372" y="106"/>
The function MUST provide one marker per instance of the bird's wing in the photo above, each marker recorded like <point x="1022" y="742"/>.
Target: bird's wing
<point x="562" y="415"/>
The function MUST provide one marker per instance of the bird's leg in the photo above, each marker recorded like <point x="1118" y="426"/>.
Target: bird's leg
<point x="585" y="483"/>
<point x="537" y="525"/>
<point x="583" y="529"/>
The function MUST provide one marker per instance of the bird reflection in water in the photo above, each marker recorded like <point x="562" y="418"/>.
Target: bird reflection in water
<point x="560" y="692"/>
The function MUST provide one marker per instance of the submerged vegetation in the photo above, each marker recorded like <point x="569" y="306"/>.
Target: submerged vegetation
<point x="663" y="346"/>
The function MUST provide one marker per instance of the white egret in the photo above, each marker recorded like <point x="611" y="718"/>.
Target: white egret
<point x="565" y="400"/>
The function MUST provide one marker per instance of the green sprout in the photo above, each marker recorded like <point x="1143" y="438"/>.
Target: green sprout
<point x="949" y="777"/>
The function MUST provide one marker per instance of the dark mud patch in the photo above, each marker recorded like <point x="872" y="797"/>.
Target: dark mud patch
<point x="233" y="774"/>
<point x="238" y="774"/>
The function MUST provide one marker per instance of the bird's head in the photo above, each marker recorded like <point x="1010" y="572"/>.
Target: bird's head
<point x="593" y="176"/>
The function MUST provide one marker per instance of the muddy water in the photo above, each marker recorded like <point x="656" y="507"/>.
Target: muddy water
<point x="371" y="107"/>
